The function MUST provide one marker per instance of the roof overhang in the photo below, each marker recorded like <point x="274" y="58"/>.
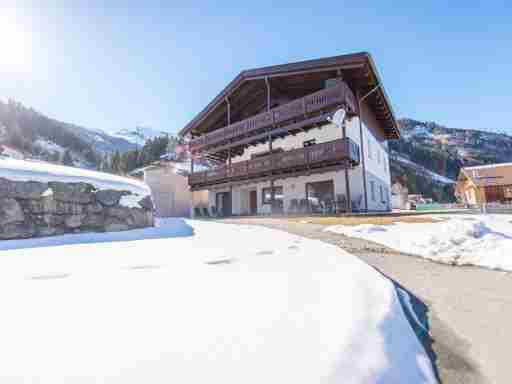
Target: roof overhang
<point x="357" y="69"/>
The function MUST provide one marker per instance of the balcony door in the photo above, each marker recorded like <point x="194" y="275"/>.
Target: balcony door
<point x="253" y="202"/>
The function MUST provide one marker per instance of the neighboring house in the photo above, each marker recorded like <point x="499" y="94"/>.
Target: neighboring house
<point x="399" y="196"/>
<point x="270" y="133"/>
<point x="485" y="184"/>
<point x="169" y="187"/>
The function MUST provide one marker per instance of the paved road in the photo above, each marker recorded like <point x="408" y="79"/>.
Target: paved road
<point x="469" y="309"/>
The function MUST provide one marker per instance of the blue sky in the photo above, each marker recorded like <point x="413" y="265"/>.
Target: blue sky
<point x="158" y="64"/>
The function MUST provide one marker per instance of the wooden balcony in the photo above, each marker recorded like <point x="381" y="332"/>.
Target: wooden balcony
<point x="300" y="109"/>
<point x="342" y="152"/>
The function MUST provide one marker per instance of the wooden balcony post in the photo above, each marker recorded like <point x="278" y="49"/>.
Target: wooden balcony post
<point x="269" y="101"/>
<point x="361" y="136"/>
<point x="347" y="178"/>
<point x="229" y="170"/>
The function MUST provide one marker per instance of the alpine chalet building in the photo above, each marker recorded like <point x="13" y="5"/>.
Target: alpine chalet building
<point x="301" y="137"/>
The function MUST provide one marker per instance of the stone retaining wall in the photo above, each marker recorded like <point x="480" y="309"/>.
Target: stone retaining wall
<point x="32" y="209"/>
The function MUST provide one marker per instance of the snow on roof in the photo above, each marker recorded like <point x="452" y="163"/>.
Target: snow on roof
<point x="23" y="170"/>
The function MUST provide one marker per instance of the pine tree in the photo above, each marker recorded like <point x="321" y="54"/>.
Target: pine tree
<point x="116" y="162"/>
<point x="66" y="158"/>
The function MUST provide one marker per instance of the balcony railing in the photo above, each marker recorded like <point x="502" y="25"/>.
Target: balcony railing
<point x="318" y="101"/>
<point x="342" y="151"/>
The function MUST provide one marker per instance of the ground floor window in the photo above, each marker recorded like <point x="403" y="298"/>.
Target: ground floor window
<point x="320" y="194"/>
<point x="372" y="190"/>
<point x="267" y="195"/>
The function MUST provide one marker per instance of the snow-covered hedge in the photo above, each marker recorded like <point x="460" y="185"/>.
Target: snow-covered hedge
<point x="42" y="199"/>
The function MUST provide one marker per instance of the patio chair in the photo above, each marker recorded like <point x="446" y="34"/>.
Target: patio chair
<point x="340" y="203"/>
<point x="197" y="212"/>
<point x="304" y="206"/>
<point x="277" y="207"/>
<point x="213" y="209"/>
<point x="205" y="212"/>
<point x="356" y="204"/>
<point x="294" y="206"/>
<point x="328" y="206"/>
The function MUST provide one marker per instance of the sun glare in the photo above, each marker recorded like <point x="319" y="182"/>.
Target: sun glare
<point x="14" y="45"/>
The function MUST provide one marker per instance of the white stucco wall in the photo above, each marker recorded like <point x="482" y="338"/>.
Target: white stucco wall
<point x="376" y="161"/>
<point x="170" y="191"/>
<point x="327" y="132"/>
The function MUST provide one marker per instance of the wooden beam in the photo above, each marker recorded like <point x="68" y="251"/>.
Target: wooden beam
<point x="276" y="176"/>
<point x="293" y="73"/>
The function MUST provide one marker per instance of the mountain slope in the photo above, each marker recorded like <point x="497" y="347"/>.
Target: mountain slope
<point x="34" y="135"/>
<point x="435" y="148"/>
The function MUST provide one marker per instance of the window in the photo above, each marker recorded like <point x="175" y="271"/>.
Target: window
<point x="378" y="156"/>
<point x="307" y="143"/>
<point x="369" y="148"/>
<point x="266" y="195"/>
<point x="381" y="190"/>
<point x="319" y="193"/>
<point x="372" y="190"/>
<point x="331" y="82"/>
<point x="385" y="166"/>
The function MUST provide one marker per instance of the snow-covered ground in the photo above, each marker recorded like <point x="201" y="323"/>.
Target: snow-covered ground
<point x="199" y="302"/>
<point x="483" y="240"/>
<point x="24" y="170"/>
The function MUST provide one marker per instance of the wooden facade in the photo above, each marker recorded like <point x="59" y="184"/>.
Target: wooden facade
<point x="485" y="184"/>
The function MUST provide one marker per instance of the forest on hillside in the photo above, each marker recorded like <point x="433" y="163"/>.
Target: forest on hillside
<point x="21" y="127"/>
<point x="41" y="137"/>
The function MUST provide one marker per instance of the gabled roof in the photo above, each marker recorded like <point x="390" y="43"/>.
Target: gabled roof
<point x="358" y="69"/>
<point x="489" y="175"/>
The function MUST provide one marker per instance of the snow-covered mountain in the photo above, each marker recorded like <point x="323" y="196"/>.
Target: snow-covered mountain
<point x="101" y="140"/>
<point x="137" y="135"/>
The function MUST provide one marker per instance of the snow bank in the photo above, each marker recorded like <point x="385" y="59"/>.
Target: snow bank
<point x="483" y="240"/>
<point x="23" y="170"/>
<point x="263" y="307"/>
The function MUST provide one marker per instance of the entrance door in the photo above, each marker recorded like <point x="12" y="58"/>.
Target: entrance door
<point x="253" y="202"/>
<point x="223" y="200"/>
